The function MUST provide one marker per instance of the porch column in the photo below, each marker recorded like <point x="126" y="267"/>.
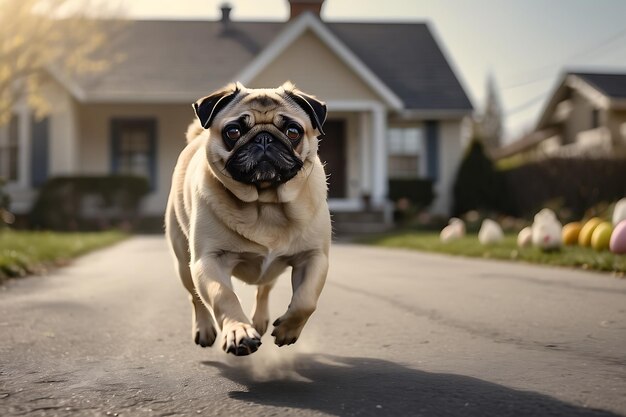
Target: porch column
<point x="365" y="141"/>
<point x="63" y="138"/>
<point x="24" y="134"/>
<point x="379" y="174"/>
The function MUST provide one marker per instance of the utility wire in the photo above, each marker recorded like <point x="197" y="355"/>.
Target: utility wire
<point x="596" y="49"/>
<point x="526" y="104"/>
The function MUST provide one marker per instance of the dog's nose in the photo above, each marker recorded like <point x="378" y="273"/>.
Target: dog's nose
<point x="264" y="139"/>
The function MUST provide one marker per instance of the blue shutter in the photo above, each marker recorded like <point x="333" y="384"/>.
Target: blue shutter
<point x="39" y="151"/>
<point x="432" y="149"/>
<point x="115" y="146"/>
<point x="153" y="155"/>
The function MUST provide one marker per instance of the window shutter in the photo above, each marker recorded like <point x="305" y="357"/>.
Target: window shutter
<point x="40" y="133"/>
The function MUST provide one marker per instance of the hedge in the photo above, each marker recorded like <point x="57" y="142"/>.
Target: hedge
<point x="89" y="203"/>
<point x="574" y="184"/>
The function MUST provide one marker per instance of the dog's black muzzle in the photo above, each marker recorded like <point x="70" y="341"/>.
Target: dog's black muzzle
<point x="264" y="159"/>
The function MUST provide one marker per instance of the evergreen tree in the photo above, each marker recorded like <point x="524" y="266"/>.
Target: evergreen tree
<point x="477" y="185"/>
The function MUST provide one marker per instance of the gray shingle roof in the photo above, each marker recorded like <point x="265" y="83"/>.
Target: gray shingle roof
<point x="187" y="57"/>
<point x="180" y="57"/>
<point x="407" y="58"/>
<point x="613" y="85"/>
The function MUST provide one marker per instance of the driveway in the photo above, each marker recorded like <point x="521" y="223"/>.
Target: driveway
<point x="396" y="333"/>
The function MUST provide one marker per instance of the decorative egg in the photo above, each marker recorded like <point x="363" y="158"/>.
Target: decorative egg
<point x="458" y="224"/>
<point x="619" y="212"/>
<point x="453" y="231"/>
<point x="571" y="232"/>
<point x="547" y="235"/>
<point x="584" y="237"/>
<point x="545" y="214"/>
<point x="546" y="230"/>
<point x="525" y="237"/>
<point x="601" y="236"/>
<point x="618" y="239"/>
<point x="490" y="232"/>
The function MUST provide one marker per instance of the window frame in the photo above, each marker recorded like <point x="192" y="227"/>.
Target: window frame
<point x="406" y="152"/>
<point x="117" y="126"/>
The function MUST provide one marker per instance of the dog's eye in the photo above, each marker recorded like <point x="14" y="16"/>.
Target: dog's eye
<point x="233" y="132"/>
<point x="292" y="132"/>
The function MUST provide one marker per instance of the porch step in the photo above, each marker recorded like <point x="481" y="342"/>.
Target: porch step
<point x="359" y="222"/>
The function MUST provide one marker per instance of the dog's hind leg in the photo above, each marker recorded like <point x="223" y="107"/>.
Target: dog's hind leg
<point x="261" y="310"/>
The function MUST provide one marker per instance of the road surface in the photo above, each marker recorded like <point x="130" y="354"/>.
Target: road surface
<point x="396" y="333"/>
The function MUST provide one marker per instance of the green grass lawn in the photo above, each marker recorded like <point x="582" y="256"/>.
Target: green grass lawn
<point x="572" y="256"/>
<point x="23" y="253"/>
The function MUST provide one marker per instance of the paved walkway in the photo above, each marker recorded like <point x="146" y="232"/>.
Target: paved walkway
<point x="396" y="333"/>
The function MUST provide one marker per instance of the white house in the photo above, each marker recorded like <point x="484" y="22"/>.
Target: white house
<point x="395" y="104"/>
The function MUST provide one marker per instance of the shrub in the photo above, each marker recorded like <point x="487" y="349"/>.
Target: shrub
<point x="418" y="192"/>
<point x="410" y="196"/>
<point x="478" y="185"/>
<point x="89" y="203"/>
<point x="5" y="215"/>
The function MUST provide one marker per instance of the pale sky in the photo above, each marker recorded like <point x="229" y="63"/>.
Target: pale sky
<point x="525" y="44"/>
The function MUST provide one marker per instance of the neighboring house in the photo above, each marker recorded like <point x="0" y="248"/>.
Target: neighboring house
<point x="585" y="116"/>
<point x="395" y="104"/>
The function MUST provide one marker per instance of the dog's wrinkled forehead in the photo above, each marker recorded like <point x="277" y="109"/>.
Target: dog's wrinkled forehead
<point x="263" y="105"/>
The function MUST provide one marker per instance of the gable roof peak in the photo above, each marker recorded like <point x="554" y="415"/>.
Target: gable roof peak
<point x="294" y="30"/>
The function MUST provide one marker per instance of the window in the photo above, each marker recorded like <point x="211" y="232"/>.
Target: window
<point x="9" y="151"/>
<point x="595" y="118"/>
<point x="134" y="148"/>
<point x="405" y="149"/>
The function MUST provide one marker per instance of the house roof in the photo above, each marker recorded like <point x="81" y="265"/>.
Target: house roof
<point x="605" y="89"/>
<point x="178" y="60"/>
<point x="612" y="85"/>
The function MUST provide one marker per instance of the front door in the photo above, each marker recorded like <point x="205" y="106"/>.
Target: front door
<point x="332" y="152"/>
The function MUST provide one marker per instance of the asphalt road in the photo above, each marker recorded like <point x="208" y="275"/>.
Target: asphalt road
<point x="396" y="333"/>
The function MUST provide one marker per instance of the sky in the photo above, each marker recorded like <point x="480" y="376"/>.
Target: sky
<point x="524" y="44"/>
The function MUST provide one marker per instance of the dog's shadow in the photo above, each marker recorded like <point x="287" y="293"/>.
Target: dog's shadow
<point x="345" y="386"/>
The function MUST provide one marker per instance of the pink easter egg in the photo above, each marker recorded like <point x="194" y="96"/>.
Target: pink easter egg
<point x="618" y="238"/>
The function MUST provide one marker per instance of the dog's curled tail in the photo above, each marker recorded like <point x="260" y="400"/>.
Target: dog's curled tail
<point x="193" y="131"/>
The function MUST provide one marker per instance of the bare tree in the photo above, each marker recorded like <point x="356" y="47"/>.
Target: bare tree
<point x="39" y="36"/>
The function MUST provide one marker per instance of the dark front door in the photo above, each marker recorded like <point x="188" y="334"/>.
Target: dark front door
<point x="332" y="152"/>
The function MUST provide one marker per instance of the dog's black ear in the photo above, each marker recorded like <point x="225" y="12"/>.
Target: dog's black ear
<point x="315" y="108"/>
<point x="207" y="107"/>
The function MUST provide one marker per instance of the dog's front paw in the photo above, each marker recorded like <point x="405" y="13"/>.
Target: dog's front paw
<point x="287" y="330"/>
<point x="240" y="339"/>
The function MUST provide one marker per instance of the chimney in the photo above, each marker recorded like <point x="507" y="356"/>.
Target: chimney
<point x="226" y="9"/>
<point x="298" y="7"/>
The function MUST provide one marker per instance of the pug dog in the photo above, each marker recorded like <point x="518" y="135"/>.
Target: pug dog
<point x="248" y="200"/>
